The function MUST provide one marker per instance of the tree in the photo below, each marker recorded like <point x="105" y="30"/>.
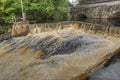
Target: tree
<point x="5" y="11"/>
<point x="38" y="10"/>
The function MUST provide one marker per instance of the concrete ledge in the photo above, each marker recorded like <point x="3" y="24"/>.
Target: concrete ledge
<point x="86" y="27"/>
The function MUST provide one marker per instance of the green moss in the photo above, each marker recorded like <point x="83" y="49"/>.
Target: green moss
<point x="9" y="30"/>
<point x="1" y="30"/>
<point x="5" y="30"/>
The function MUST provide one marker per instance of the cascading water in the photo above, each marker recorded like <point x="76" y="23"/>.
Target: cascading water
<point x="61" y="54"/>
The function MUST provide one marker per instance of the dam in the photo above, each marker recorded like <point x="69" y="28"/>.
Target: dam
<point x="84" y="48"/>
<point x="57" y="51"/>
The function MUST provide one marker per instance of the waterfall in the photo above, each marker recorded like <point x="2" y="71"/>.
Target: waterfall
<point x="57" y="53"/>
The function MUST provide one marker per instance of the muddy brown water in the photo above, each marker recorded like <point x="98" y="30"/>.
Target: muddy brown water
<point x="54" y="54"/>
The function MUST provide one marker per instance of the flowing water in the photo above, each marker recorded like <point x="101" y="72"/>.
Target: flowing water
<point x="59" y="54"/>
<point x="110" y="70"/>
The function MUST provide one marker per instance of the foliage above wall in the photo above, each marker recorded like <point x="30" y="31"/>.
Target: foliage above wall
<point x="39" y="10"/>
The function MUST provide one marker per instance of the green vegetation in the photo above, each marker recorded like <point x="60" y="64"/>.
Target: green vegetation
<point x="37" y="10"/>
<point x="5" y="29"/>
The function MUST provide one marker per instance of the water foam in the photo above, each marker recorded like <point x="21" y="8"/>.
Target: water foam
<point x="55" y="55"/>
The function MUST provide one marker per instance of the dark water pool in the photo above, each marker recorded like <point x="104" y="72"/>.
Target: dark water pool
<point x="107" y="22"/>
<point x="110" y="70"/>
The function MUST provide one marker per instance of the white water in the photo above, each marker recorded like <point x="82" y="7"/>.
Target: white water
<point x="56" y="55"/>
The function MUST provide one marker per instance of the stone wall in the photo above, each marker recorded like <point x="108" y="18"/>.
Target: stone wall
<point x="104" y="11"/>
<point x="5" y="36"/>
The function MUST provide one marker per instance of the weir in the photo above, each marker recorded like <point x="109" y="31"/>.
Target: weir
<point x="52" y="51"/>
<point x="23" y="28"/>
<point x="20" y="29"/>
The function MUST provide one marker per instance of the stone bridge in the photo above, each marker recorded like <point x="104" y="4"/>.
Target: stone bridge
<point x="96" y="11"/>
